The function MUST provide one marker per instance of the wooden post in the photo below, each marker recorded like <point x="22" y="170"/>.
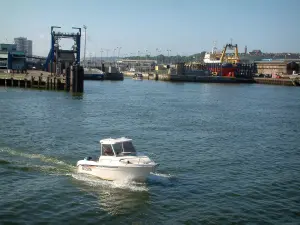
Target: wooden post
<point x="67" y="80"/>
<point x="59" y="84"/>
<point x="25" y="83"/>
<point x="39" y="81"/>
<point x="32" y="81"/>
<point x="47" y="84"/>
<point x="5" y="82"/>
<point x="76" y="79"/>
<point x="12" y="82"/>
<point x="19" y="83"/>
<point x="55" y="83"/>
<point x="65" y="85"/>
<point x="71" y="78"/>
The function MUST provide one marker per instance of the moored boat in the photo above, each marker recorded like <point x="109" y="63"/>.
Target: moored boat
<point x="221" y="64"/>
<point x="137" y="76"/>
<point x="93" y="74"/>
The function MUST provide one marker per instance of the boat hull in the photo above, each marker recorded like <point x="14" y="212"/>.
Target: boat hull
<point x="126" y="172"/>
<point x="93" y="77"/>
<point x="226" y="69"/>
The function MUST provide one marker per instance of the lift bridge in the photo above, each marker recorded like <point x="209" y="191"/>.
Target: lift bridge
<point x="58" y="59"/>
<point x="66" y="62"/>
<point x="32" y="57"/>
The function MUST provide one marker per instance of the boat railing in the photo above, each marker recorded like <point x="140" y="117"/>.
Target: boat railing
<point x="139" y="161"/>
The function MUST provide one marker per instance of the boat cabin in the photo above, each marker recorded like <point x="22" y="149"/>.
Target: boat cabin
<point x="117" y="147"/>
<point x="138" y="75"/>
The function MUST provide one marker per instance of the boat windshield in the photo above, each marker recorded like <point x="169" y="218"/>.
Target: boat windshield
<point x="124" y="148"/>
<point x="118" y="148"/>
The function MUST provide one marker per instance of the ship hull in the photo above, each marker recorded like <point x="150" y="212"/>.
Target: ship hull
<point x="227" y="69"/>
<point x="93" y="76"/>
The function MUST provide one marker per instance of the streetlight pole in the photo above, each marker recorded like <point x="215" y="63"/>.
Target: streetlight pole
<point x="91" y="54"/>
<point x="146" y="54"/>
<point x="149" y="53"/>
<point x="107" y="50"/>
<point x="101" y="55"/>
<point x="159" y="53"/>
<point x="168" y="50"/>
<point x="138" y="62"/>
<point x="114" y="55"/>
<point x="119" y="51"/>
<point x="84" y="27"/>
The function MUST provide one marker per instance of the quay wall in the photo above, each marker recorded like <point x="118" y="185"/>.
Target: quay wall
<point x="72" y="81"/>
<point x="216" y="79"/>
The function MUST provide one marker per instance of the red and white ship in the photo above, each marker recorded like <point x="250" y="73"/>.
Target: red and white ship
<point x="222" y="64"/>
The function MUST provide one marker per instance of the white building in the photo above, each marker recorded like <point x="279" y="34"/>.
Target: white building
<point x="24" y="45"/>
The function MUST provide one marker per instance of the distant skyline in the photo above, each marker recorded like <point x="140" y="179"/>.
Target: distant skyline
<point x="184" y="27"/>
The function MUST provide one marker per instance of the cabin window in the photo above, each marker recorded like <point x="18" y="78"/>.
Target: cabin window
<point x="118" y="148"/>
<point x="128" y="148"/>
<point x="123" y="149"/>
<point x="107" y="150"/>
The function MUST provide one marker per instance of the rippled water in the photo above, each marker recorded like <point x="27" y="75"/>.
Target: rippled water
<point x="228" y="154"/>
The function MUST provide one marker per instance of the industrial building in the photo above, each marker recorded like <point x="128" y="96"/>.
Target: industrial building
<point x="24" y="45"/>
<point x="8" y="47"/>
<point x="278" y="67"/>
<point x="3" y="60"/>
<point x="136" y="65"/>
<point x="10" y="59"/>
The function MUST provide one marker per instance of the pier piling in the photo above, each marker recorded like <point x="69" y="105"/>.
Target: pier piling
<point x="75" y="76"/>
<point x="39" y="81"/>
<point x="46" y="81"/>
<point x="47" y="84"/>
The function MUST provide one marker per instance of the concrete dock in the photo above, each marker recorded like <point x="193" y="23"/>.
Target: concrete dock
<point x="72" y="81"/>
<point x="42" y="80"/>
<point x="192" y="78"/>
<point x="277" y="81"/>
<point x="48" y="81"/>
<point x="216" y="79"/>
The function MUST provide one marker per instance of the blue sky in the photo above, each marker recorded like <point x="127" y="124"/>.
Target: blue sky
<point x="184" y="27"/>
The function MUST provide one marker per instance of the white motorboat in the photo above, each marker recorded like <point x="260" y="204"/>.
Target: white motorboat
<point x="118" y="161"/>
<point x="137" y="76"/>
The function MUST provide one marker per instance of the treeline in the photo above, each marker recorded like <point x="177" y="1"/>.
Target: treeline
<point x="170" y="59"/>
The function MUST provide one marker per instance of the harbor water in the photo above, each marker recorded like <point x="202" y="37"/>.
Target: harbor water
<point x="228" y="154"/>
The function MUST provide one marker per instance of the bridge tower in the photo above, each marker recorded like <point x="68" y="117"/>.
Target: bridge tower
<point x="59" y="58"/>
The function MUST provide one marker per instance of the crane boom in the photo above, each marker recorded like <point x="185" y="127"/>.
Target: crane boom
<point x="234" y="59"/>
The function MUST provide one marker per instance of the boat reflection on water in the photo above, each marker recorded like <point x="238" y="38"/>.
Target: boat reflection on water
<point x="114" y="197"/>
